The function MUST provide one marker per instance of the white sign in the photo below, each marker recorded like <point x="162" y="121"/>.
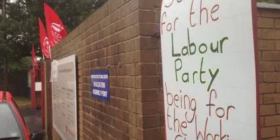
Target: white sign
<point x="209" y="71"/>
<point x="38" y="86"/>
<point x="64" y="99"/>
<point x="54" y="65"/>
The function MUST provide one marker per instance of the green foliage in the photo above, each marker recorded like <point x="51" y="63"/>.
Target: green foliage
<point x="12" y="41"/>
<point x="24" y="64"/>
<point x="71" y="12"/>
<point x="19" y="31"/>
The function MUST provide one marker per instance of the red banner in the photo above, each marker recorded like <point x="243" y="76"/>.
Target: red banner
<point x="45" y="44"/>
<point x="34" y="60"/>
<point x="55" y="28"/>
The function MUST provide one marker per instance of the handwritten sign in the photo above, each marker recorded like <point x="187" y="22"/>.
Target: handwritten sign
<point x="64" y="99"/>
<point x="209" y="70"/>
<point x="100" y="85"/>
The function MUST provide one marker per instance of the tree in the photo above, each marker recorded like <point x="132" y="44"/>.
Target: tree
<point x="71" y="12"/>
<point x="11" y="36"/>
<point x="15" y="39"/>
<point x="19" y="29"/>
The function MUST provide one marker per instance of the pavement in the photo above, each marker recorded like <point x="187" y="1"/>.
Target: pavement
<point x="32" y="118"/>
<point x="22" y="102"/>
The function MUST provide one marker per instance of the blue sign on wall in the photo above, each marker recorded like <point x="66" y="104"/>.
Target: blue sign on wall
<point x="100" y="85"/>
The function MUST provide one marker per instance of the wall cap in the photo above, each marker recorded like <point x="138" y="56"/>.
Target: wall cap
<point x="268" y="5"/>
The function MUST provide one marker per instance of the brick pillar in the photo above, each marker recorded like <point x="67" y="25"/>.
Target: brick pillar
<point x="269" y="72"/>
<point x="48" y="99"/>
<point x="149" y="94"/>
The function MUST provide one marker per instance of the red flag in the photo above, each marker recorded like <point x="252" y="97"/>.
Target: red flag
<point x="34" y="60"/>
<point x="45" y="44"/>
<point x="55" y="28"/>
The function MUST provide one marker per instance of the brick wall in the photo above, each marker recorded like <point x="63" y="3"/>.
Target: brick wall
<point x="119" y="37"/>
<point x="269" y="1"/>
<point x="269" y="72"/>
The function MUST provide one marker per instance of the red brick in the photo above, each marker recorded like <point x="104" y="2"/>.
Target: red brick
<point x="153" y="134"/>
<point x="146" y="69"/>
<point x="132" y="106"/>
<point x="148" y="108"/>
<point x="278" y="109"/>
<point x="270" y="34"/>
<point x="139" y="134"/>
<point x="133" y="119"/>
<point x="277" y="66"/>
<point x="270" y="77"/>
<point x="150" y="56"/>
<point x="268" y="132"/>
<point x="259" y="12"/>
<point x="262" y="121"/>
<point x="159" y="69"/>
<point x="148" y="82"/>
<point x="147" y="95"/>
<point x="278" y="131"/>
<point x="126" y="70"/>
<point x="272" y="120"/>
<point x="259" y="33"/>
<point x="275" y="138"/>
<point x="149" y="43"/>
<point x="271" y="55"/>
<point x="277" y="23"/>
<point x="152" y="121"/>
<point x="270" y="13"/>
<point x="147" y="16"/>
<point x="265" y="22"/>
<point x="148" y="4"/>
<point x="266" y="45"/>
<point x="151" y="82"/>
<point x="271" y="98"/>
<point x="148" y="121"/>
<point x="132" y="95"/>
<point x="266" y="110"/>
<point x="128" y="82"/>
<point x="122" y="92"/>
<point x="261" y="99"/>
<point x="260" y="78"/>
<point x="132" y="132"/>
<point x="278" y="87"/>
<point x="277" y="45"/>
<point x="111" y="39"/>
<point x="266" y="88"/>
<point x="148" y="29"/>
<point x="266" y="66"/>
<point x="259" y="55"/>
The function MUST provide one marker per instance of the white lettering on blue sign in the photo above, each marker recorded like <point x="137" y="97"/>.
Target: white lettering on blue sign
<point x="99" y="84"/>
<point x="99" y="93"/>
<point x="96" y="92"/>
<point x="99" y="76"/>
